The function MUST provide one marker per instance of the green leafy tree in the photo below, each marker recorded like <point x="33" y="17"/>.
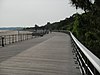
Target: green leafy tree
<point x="36" y="27"/>
<point x="89" y="23"/>
<point x="86" y="5"/>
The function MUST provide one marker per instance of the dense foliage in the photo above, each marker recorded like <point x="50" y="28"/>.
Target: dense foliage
<point x="87" y="26"/>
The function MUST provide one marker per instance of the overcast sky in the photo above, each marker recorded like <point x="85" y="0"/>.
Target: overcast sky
<point x="24" y="13"/>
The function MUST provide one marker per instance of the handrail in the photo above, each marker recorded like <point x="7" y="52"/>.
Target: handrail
<point x="9" y="39"/>
<point x="88" y="62"/>
<point x="92" y="58"/>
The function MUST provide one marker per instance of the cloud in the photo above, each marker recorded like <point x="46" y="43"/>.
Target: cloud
<point x="31" y="12"/>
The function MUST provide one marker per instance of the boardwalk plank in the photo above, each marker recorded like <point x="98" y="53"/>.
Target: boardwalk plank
<point x="50" y="57"/>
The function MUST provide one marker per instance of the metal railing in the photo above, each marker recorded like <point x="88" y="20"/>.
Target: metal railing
<point x="9" y="39"/>
<point x="89" y="64"/>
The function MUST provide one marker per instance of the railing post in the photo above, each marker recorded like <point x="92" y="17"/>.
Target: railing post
<point x="15" y="38"/>
<point x="23" y="37"/>
<point x="31" y="36"/>
<point x="2" y="41"/>
<point x="9" y="39"/>
<point x="12" y="39"/>
<point x="5" y="40"/>
<point x="27" y="36"/>
<point x="87" y="72"/>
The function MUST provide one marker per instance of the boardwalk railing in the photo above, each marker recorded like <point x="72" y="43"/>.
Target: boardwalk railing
<point x="9" y="39"/>
<point x="89" y="64"/>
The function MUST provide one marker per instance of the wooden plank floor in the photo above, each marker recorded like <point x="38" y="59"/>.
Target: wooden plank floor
<point x="52" y="56"/>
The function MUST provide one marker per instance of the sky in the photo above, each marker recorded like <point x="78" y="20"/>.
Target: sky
<point x="27" y="13"/>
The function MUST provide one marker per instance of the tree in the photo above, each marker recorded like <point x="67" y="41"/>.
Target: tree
<point x="48" y="26"/>
<point x="36" y="27"/>
<point x="90" y="21"/>
<point x="97" y="2"/>
<point x="86" y="5"/>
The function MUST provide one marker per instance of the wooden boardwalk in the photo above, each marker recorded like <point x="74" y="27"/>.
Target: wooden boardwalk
<point x="48" y="55"/>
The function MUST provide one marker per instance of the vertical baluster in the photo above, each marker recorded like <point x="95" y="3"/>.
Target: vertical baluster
<point x="5" y="39"/>
<point x="87" y="71"/>
<point x="9" y="39"/>
<point x="18" y="37"/>
<point x="2" y="41"/>
<point x="23" y="37"/>
<point x="12" y="39"/>
<point x="27" y="36"/>
<point x="15" y="38"/>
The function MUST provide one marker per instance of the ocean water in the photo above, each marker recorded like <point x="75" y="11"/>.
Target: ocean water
<point x="9" y="28"/>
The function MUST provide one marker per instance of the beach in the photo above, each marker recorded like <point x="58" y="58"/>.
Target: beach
<point x="12" y="32"/>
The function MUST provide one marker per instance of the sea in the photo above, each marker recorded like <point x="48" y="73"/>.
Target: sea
<point x="10" y="28"/>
